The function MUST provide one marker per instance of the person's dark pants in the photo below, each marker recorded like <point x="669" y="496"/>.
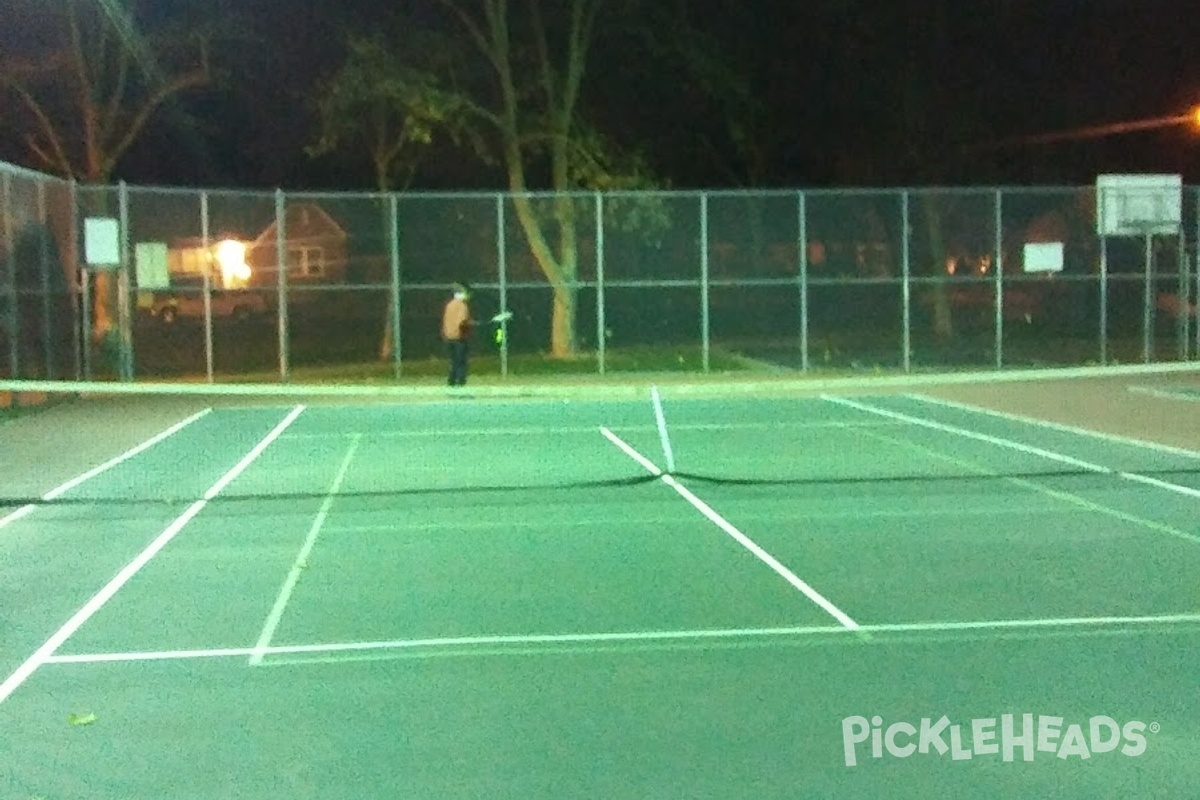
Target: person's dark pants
<point x="458" y="363"/>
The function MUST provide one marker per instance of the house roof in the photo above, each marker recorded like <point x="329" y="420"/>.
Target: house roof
<point x="322" y="221"/>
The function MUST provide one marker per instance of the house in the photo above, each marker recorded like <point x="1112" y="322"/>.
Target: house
<point x="316" y="249"/>
<point x="244" y="274"/>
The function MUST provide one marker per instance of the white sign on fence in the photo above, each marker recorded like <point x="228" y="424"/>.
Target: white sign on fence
<point x="102" y="242"/>
<point x="1043" y="257"/>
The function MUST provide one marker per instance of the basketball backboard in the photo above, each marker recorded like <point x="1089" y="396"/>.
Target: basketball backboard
<point x="1139" y="205"/>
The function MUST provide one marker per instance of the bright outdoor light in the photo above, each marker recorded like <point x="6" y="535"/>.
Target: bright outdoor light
<point x="231" y="256"/>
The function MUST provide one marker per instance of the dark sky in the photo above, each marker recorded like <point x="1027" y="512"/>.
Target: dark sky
<point x="852" y="92"/>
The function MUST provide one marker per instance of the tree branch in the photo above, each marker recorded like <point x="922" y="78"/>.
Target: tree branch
<point x="546" y="73"/>
<point x="109" y="120"/>
<point x="189" y="80"/>
<point x="60" y="160"/>
<point x="473" y="29"/>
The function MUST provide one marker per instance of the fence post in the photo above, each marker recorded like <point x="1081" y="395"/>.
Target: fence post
<point x="1182" y="285"/>
<point x="84" y="342"/>
<point x="1148" y="300"/>
<point x="906" y="289"/>
<point x="1196" y="268"/>
<point x="48" y="371"/>
<point x="999" y="279"/>
<point x="11" y="319"/>
<point x="704" y="321"/>
<point x="1103" y="299"/>
<point x="502" y="271"/>
<point x="78" y="291"/>
<point x="124" y="314"/>
<point x="601" y="324"/>
<point x="208" y="259"/>
<point x="281" y="280"/>
<point x="394" y="257"/>
<point x="802" y="220"/>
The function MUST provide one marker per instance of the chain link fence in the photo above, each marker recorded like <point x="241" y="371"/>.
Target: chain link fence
<point x="271" y="286"/>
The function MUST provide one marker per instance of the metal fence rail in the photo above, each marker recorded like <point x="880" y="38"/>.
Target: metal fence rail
<point x="268" y="286"/>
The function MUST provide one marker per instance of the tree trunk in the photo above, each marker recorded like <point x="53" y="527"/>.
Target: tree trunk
<point x="939" y="295"/>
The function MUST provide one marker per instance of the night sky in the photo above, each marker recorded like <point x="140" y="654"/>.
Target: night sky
<point x="831" y="77"/>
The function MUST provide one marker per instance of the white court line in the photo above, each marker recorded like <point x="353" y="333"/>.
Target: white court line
<point x="59" y="491"/>
<point x="89" y="608"/>
<point x="1018" y="446"/>
<point x="742" y="539"/>
<point x="1057" y="426"/>
<point x="663" y="436"/>
<point x="439" y="433"/>
<point x="1081" y="504"/>
<point x="822" y="631"/>
<point x="1163" y="395"/>
<point x="301" y="563"/>
<point x="788" y="515"/>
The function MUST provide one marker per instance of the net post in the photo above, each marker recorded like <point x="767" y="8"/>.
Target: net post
<point x="998" y="279"/>
<point x="802" y="248"/>
<point x="906" y="287"/>
<point x="394" y="257"/>
<point x="48" y="371"/>
<point x="11" y="318"/>
<point x="601" y="324"/>
<point x="281" y="280"/>
<point x="704" y="320"/>
<point x="208" y="320"/>
<point x="502" y="272"/>
<point x="124" y="317"/>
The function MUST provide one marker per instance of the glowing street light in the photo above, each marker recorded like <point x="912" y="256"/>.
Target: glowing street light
<point x="1191" y="118"/>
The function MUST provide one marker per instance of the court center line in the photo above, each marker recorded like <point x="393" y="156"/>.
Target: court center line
<point x="1018" y="446"/>
<point x="741" y="538"/>
<point x="1055" y="426"/>
<point x="301" y="562"/>
<point x="661" y="419"/>
<point x="62" y="489"/>
<point x="89" y="609"/>
<point x="435" y="643"/>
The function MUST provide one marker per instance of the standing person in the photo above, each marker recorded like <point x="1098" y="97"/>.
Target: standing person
<point x="456" y="330"/>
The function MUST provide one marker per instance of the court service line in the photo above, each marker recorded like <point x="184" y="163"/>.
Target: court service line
<point x="89" y="609"/>
<point x="62" y="489"/>
<point x="443" y="433"/>
<point x="1057" y="426"/>
<point x="1018" y="446"/>
<point x="1081" y="504"/>
<point x="741" y="538"/>
<point x="301" y="563"/>
<point x="603" y="522"/>
<point x="661" y="420"/>
<point x="700" y="634"/>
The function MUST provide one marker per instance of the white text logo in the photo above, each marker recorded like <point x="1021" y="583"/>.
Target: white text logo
<point x="1005" y="737"/>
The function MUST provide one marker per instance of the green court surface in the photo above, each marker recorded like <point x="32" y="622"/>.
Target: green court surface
<point x="647" y="598"/>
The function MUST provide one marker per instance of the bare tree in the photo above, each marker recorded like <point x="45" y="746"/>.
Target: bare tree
<point x="541" y="116"/>
<point x="86" y="96"/>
